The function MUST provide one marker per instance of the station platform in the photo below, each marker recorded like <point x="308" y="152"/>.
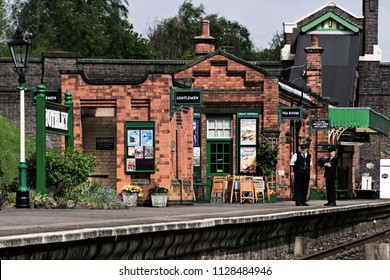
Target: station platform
<point x="198" y="231"/>
<point x="33" y="221"/>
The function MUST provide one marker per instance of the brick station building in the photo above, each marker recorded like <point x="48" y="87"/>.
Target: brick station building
<point x="177" y="124"/>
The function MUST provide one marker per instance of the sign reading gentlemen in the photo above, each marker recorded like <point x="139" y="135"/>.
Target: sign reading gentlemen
<point x="188" y="97"/>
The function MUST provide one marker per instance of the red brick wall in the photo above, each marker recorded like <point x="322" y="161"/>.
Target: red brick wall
<point x="141" y="102"/>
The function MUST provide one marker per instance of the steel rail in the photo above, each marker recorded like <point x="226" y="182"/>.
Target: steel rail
<point x="347" y="246"/>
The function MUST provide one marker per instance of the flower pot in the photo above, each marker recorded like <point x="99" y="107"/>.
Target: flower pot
<point x="273" y="198"/>
<point x="130" y="199"/>
<point x="159" y="200"/>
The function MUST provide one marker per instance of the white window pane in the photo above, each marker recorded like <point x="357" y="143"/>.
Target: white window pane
<point x="220" y="128"/>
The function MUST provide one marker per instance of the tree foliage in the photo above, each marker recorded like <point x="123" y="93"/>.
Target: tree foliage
<point x="172" y="38"/>
<point x="95" y="29"/>
<point x="273" y="52"/>
<point x="267" y="157"/>
<point x="5" y="28"/>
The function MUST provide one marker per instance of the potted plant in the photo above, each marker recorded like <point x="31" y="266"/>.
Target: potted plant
<point x="272" y="196"/>
<point x="159" y="196"/>
<point x="317" y="194"/>
<point x="130" y="194"/>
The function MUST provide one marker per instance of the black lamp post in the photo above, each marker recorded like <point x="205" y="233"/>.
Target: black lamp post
<point x="20" y="53"/>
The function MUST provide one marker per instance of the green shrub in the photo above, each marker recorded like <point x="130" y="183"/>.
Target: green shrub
<point x="92" y="192"/>
<point x="63" y="170"/>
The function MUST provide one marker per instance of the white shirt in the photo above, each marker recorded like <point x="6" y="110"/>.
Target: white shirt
<point x="295" y="157"/>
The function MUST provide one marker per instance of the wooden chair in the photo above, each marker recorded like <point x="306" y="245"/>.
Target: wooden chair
<point x="247" y="190"/>
<point x="259" y="185"/>
<point x="219" y="186"/>
<point x="229" y="193"/>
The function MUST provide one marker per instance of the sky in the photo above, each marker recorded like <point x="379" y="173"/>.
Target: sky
<point x="263" y="18"/>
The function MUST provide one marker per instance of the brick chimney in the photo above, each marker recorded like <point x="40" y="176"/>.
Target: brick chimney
<point x="314" y="65"/>
<point x="204" y="44"/>
<point x="370" y="13"/>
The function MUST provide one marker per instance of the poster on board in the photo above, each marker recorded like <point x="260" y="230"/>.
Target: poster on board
<point x="248" y="131"/>
<point x="248" y="160"/>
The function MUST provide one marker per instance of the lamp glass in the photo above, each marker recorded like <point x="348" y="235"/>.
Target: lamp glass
<point x="19" y="49"/>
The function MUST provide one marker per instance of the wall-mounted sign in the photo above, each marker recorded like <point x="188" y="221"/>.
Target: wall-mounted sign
<point x="355" y="137"/>
<point x="188" y="97"/>
<point x="248" y="114"/>
<point x="320" y="124"/>
<point x="291" y="113"/>
<point x="105" y="144"/>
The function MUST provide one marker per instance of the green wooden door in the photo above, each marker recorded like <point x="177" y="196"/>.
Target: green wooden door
<point x="219" y="162"/>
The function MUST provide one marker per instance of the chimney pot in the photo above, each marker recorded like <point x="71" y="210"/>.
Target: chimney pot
<point x="205" y="25"/>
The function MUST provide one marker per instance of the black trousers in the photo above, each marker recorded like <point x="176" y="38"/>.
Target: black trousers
<point x="301" y="186"/>
<point x="330" y="189"/>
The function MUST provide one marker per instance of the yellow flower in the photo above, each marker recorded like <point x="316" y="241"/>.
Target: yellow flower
<point x="271" y="191"/>
<point x="132" y="189"/>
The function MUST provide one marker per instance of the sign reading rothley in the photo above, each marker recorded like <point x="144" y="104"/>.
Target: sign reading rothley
<point x="188" y="97"/>
<point x="320" y="124"/>
<point x="56" y="118"/>
<point x="292" y="113"/>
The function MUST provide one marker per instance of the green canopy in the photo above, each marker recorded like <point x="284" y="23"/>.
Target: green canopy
<point x="362" y="119"/>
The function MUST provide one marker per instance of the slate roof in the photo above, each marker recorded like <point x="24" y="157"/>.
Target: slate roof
<point x="339" y="60"/>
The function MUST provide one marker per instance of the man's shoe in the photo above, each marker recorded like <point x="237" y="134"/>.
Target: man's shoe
<point x="305" y="204"/>
<point x="330" y="204"/>
<point x="298" y="204"/>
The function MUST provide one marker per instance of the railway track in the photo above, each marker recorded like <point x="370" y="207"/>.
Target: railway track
<point x="342" y="248"/>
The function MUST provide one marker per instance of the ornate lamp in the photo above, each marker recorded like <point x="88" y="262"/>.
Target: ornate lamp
<point x="19" y="49"/>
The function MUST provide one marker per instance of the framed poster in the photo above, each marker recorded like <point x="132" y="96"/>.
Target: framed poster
<point x="133" y="137"/>
<point x="196" y="156"/>
<point x="195" y="127"/>
<point x="248" y="131"/>
<point x="130" y="164"/>
<point x="248" y="160"/>
<point x="131" y="151"/>
<point x="147" y="137"/>
<point x="149" y="152"/>
<point x="139" y="152"/>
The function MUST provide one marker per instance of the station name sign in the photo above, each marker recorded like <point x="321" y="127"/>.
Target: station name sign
<point x="291" y="113"/>
<point x="56" y="118"/>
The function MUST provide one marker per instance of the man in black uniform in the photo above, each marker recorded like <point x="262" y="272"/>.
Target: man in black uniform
<point x="330" y="177"/>
<point x="301" y="162"/>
